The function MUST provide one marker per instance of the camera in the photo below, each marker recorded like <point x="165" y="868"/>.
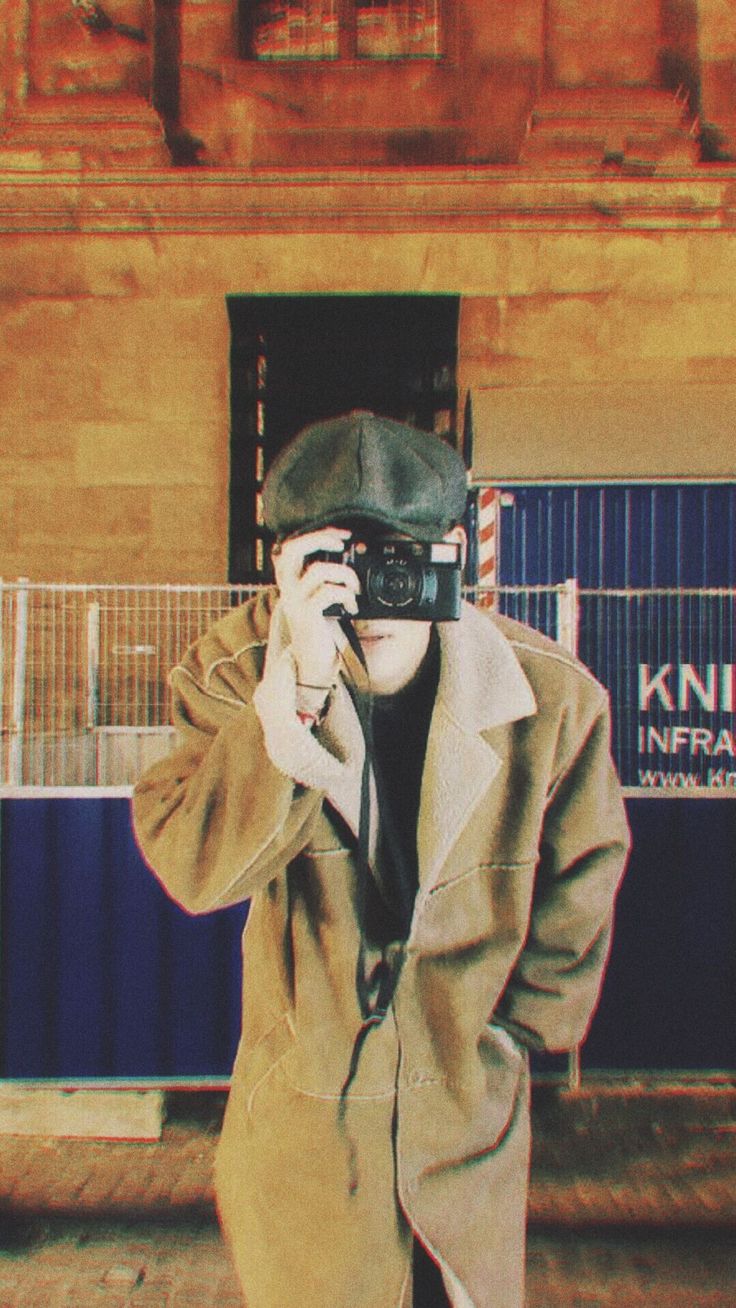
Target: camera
<point x="401" y="578"/>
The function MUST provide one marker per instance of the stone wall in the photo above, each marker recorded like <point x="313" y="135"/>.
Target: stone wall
<point x="568" y="170"/>
<point x="605" y="356"/>
<point x="146" y="82"/>
<point x="115" y="420"/>
<point x="588" y="355"/>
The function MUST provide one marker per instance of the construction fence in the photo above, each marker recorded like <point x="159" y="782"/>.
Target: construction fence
<point x="85" y="701"/>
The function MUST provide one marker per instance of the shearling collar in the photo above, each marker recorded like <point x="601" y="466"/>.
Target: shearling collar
<point x="481" y="685"/>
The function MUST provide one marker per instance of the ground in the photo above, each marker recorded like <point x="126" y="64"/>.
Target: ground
<point x="632" y="1202"/>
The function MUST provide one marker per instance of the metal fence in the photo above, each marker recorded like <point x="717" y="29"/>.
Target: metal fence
<point x="84" y="676"/>
<point x="84" y="694"/>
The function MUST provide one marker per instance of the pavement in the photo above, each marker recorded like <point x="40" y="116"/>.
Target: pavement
<point x="632" y="1202"/>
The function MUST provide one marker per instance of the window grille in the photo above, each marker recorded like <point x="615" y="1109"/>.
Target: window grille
<point x="335" y="29"/>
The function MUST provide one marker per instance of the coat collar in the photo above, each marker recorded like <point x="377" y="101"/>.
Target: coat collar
<point x="481" y="685"/>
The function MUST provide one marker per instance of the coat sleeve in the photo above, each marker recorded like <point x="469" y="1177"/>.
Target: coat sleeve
<point x="551" y="995"/>
<point x="217" y="818"/>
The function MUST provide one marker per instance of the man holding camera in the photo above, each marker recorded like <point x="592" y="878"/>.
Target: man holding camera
<point x="419" y="801"/>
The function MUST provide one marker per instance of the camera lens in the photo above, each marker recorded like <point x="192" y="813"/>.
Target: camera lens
<point x="395" y="583"/>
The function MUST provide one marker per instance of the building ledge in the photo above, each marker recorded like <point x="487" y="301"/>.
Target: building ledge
<point x="34" y="198"/>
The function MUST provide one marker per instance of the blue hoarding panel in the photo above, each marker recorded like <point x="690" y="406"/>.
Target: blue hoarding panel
<point x="203" y="959"/>
<point x="619" y="535"/>
<point x="137" y="996"/>
<point x="28" y="971"/>
<point x="76" y="945"/>
<point x="669" y="994"/>
<point x="103" y="976"/>
<point x="669" y="662"/>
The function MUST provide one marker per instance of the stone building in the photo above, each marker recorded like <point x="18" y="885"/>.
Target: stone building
<point x="219" y="218"/>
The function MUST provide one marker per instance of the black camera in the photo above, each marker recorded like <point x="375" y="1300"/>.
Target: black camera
<point x="402" y="578"/>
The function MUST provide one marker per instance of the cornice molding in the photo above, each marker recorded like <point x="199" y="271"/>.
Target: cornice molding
<point x="194" y="201"/>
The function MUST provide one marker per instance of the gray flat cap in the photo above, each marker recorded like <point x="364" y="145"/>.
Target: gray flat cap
<point x="362" y="466"/>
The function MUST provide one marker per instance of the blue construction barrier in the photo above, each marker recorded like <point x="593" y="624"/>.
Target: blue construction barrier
<point x="103" y="976"/>
<point x="675" y="534"/>
<point x="670" y="990"/>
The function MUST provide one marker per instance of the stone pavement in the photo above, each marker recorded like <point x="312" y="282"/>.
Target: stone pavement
<point x="633" y="1202"/>
<point x="68" y="1263"/>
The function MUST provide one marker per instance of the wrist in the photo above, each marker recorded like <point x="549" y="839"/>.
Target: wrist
<point x="312" y="701"/>
<point x="312" y="716"/>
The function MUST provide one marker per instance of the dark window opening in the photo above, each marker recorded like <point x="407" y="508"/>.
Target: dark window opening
<point x="341" y="29"/>
<point x="296" y="359"/>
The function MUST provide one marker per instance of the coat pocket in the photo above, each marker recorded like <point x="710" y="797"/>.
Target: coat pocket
<point x="483" y="907"/>
<point x="255" y="1065"/>
<point x="506" y="1067"/>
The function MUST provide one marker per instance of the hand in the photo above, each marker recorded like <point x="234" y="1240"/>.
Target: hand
<point x="306" y="590"/>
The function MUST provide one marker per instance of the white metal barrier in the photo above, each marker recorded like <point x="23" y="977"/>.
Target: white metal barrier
<point x="84" y="696"/>
<point x="84" y="693"/>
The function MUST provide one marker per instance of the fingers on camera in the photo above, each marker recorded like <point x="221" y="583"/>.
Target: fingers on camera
<point x="330" y="574"/>
<point x="330" y="539"/>
<point x="331" y="596"/>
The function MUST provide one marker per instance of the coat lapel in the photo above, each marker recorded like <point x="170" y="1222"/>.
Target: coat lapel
<point x="481" y="685"/>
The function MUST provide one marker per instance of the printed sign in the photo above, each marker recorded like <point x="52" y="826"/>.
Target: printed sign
<point x="669" y="662"/>
<point x="677" y="693"/>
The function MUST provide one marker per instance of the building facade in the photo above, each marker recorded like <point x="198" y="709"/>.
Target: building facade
<point x="212" y="212"/>
<point x="220" y="218"/>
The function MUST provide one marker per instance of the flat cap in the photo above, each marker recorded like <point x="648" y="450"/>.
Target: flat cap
<point x="364" y="466"/>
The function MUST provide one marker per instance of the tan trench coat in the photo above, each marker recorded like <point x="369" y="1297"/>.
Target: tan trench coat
<point x="521" y="840"/>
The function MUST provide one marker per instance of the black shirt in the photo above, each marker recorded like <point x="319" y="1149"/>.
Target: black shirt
<point x="400" y="729"/>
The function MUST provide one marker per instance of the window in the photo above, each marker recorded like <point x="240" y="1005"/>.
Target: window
<point x="297" y="358"/>
<point x="345" y="29"/>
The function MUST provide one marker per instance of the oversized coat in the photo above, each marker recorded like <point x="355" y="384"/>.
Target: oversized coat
<point x="521" y="844"/>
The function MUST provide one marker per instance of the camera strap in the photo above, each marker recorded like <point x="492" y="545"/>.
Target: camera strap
<point x="375" y="991"/>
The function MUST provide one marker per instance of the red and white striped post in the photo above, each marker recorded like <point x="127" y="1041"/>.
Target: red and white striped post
<point x="489" y="505"/>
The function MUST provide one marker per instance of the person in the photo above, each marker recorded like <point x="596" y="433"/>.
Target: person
<point x="426" y="819"/>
